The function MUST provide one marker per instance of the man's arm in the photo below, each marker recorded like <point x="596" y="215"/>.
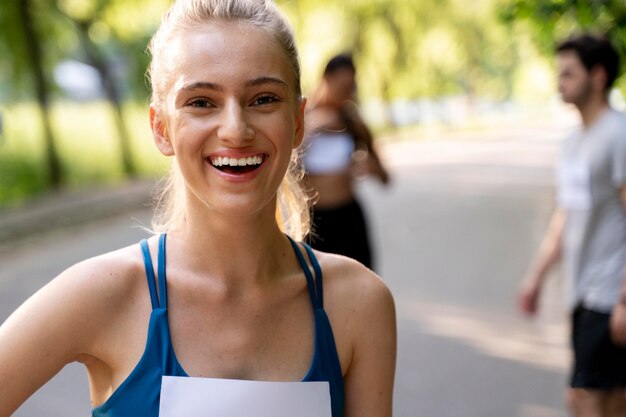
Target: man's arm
<point x="618" y="317"/>
<point x="549" y="254"/>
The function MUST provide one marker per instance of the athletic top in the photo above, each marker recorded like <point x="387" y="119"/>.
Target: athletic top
<point x="328" y="152"/>
<point x="139" y="394"/>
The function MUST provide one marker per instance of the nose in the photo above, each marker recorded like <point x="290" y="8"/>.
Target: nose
<point x="233" y="125"/>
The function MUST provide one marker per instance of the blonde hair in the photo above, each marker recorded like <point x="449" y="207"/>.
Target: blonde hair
<point x="292" y="212"/>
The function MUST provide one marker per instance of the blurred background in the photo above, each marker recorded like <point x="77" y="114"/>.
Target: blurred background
<point x="462" y="98"/>
<point x="73" y="94"/>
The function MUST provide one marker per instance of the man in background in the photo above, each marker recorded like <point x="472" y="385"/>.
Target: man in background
<point x="588" y="230"/>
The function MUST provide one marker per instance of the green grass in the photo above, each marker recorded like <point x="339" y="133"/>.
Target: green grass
<point x="86" y="141"/>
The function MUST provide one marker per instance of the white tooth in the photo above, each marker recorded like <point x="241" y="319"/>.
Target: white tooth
<point x="233" y="162"/>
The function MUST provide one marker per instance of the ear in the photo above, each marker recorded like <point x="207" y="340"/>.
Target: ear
<point x="599" y="77"/>
<point x="160" y="134"/>
<point x="299" y="134"/>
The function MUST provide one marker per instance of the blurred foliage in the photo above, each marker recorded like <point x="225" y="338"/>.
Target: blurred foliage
<point x="121" y="28"/>
<point x="409" y="48"/>
<point x="87" y="151"/>
<point x="404" y="50"/>
<point x="551" y="21"/>
<point x="108" y="35"/>
<point x="20" y="178"/>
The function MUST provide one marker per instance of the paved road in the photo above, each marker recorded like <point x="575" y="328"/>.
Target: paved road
<point x="453" y="236"/>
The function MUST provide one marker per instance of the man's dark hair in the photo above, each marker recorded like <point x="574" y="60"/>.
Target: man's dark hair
<point x="339" y="62"/>
<point x="594" y="50"/>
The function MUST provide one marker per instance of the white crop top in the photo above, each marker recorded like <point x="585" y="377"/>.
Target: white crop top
<point x="328" y="152"/>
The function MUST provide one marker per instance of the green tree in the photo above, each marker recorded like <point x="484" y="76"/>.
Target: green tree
<point x="550" y="21"/>
<point x="407" y="49"/>
<point x="85" y="17"/>
<point x="23" y="40"/>
<point x="110" y="32"/>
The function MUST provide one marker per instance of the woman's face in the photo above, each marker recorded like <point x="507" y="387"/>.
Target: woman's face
<point x="231" y="116"/>
<point x="341" y="84"/>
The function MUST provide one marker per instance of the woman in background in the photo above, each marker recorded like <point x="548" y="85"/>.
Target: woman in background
<point x="337" y="148"/>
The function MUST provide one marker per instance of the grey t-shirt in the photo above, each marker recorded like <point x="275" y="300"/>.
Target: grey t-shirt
<point x="591" y="171"/>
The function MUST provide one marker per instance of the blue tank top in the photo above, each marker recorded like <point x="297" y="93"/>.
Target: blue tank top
<point x="139" y="394"/>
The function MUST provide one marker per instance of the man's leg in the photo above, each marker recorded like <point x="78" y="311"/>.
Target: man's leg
<point x="583" y="399"/>
<point x="599" y="368"/>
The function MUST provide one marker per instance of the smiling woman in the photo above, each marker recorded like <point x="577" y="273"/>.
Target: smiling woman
<point x="267" y="92"/>
<point x="238" y="309"/>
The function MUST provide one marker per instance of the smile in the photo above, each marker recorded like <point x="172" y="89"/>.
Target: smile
<point x="236" y="165"/>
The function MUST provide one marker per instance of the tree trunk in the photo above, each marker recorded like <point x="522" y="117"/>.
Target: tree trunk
<point x="98" y="61"/>
<point x="42" y="92"/>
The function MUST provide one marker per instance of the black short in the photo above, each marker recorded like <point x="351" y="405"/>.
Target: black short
<point x="598" y="362"/>
<point x="342" y="230"/>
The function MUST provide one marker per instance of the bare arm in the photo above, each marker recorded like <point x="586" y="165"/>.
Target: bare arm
<point x="40" y="338"/>
<point x="364" y="138"/>
<point x="618" y="317"/>
<point x="549" y="254"/>
<point x="370" y="374"/>
<point x="59" y="324"/>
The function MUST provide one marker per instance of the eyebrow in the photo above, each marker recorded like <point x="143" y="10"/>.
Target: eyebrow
<point x="266" y="80"/>
<point x="205" y="85"/>
<point x="201" y="85"/>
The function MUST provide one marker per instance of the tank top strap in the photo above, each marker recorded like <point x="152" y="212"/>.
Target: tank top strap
<point x="318" y="275"/>
<point x="147" y="262"/>
<point x="315" y="299"/>
<point x="158" y="299"/>
<point x="161" y="272"/>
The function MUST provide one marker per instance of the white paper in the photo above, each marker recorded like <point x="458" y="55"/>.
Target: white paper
<point x="574" y="191"/>
<point x="211" y="397"/>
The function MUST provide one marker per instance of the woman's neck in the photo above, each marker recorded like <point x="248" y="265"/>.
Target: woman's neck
<point x="323" y="97"/>
<point x="240" y="250"/>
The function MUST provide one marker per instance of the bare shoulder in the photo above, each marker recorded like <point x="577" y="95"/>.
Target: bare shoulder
<point x="104" y="289"/>
<point x="72" y="318"/>
<point x="109" y="275"/>
<point x="83" y="301"/>
<point x="350" y="110"/>
<point x="345" y="274"/>
<point x="350" y="287"/>
<point x="362" y="313"/>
